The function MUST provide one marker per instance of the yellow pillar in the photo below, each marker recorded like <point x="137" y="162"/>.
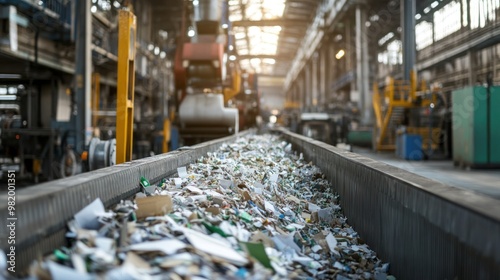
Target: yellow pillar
<point x="125" y="86"/>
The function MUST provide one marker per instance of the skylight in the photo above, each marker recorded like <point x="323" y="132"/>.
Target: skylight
<point x="258" y="42"/>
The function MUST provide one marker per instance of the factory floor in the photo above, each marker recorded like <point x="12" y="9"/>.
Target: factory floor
<point x="483" y="181"/>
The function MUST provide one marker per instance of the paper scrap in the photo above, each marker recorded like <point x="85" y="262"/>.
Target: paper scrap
<point x="167" y="246"/>
<point x="178" y="182"/>
<point x="274" y="178"/>
<point x="213" y="210"/>
<point x="316" y="248"/>
<point x="213" y="246"/>
<point x="313" y="207"/>
<point x="194" y="189"/>
<point x="182" y="172"/>
<point x="133" y="260"/>
<point x="293" y="198"/>
<point x="306" y="215"/>
<point x="60" y="272"/>
<point x="88" y="217"/>
<point x="283" y="241"/>
<point x="331" y="241"/>
<point x="226" y="183"/>
<point x="158" y="205"/>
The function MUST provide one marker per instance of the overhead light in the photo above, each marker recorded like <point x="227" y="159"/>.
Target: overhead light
<point x="340" y="54"/>
<point x="248" y="91"/>
<point x="225" y="25"/>
<point x="273" y="119"/>
<point x="12" y="90"/>
<point x="116" y="4"/>
<point x="10" y="76"/>
<point x="232" y="57"/>
<point x="418" y="16"/>
<point x="434" y="4"/>
<point x="191" y="33"/>
<point x="163" y="55"/>
<point x="426" y="10"/>
<point x="93" y="9"/>
<point x="8" y="97"/>
<point x="157" y="50"/>
<point x="151" y="47"/>
<point x="269" y="60"/>
<point x="196" y="2"/>
<point x="231" y="47"/>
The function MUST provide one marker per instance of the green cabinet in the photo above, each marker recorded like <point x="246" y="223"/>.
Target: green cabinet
<point x="495" y="125"/>
<point x="476" y="126"/>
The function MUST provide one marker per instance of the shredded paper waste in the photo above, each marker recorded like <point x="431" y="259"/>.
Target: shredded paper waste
<point x="252" y="210"/>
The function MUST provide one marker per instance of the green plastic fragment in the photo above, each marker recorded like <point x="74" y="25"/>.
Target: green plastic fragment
<point x="214" y="229"/>
<point x="258" y="251"/>
<point x="144" y="182"/>
<point x="133" y="217"/>
<point x="60" y="255"/>
<point x="162" y="182"/>
<point x="290" y="228"/>
<point x="245" y="216"/>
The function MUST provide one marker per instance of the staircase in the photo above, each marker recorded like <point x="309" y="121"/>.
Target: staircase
<point x="389" y="111"/>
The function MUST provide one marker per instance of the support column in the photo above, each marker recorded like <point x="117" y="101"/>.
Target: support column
<point x="82" y="114"/>
<point x="308" y="86"/>
<point x="471" y="55"/>
<point x="323" y="60"/>
<point x="408" y="24"/>
<point x="302" y="87"/>
<point x="362" y="75"/>
<point x="331" y="71"/>
<point x="315" y="77"/>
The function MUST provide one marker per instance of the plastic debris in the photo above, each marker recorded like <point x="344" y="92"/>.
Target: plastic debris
<point x="252" y="210"/>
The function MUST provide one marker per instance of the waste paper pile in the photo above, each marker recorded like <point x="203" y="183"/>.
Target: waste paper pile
<point x="252" y="210"/>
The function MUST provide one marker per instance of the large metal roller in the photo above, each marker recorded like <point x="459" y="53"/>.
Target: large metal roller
<point x="207" y="110"/>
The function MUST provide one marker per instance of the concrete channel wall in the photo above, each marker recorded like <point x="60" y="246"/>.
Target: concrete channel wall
<point x="425" y="229"/>
<point x="43" y="210"/>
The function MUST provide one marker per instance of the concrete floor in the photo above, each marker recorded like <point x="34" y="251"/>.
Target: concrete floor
<point x="483" y="181"/>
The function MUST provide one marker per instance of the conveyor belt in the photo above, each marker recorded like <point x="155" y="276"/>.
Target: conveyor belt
<point x="426" y="230"/>
<point x="42" y="211"/>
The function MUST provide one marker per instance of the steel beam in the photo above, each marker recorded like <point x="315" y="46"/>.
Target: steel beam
<point x="409" y="48"/>
<point x="83" y="66"/>
<point x="270" y="22"/>
<point x="276" y="57"/>
<point x="327" y="13"/>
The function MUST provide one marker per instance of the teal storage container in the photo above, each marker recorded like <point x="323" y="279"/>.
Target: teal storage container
<point x="495" y="125"/>
<point x="476" y="126"/>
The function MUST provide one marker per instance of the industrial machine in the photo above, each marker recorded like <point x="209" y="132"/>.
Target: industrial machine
<point x="46" y="124"/>
<point x="205" y="77"/>
<point x="401" y="108"/>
